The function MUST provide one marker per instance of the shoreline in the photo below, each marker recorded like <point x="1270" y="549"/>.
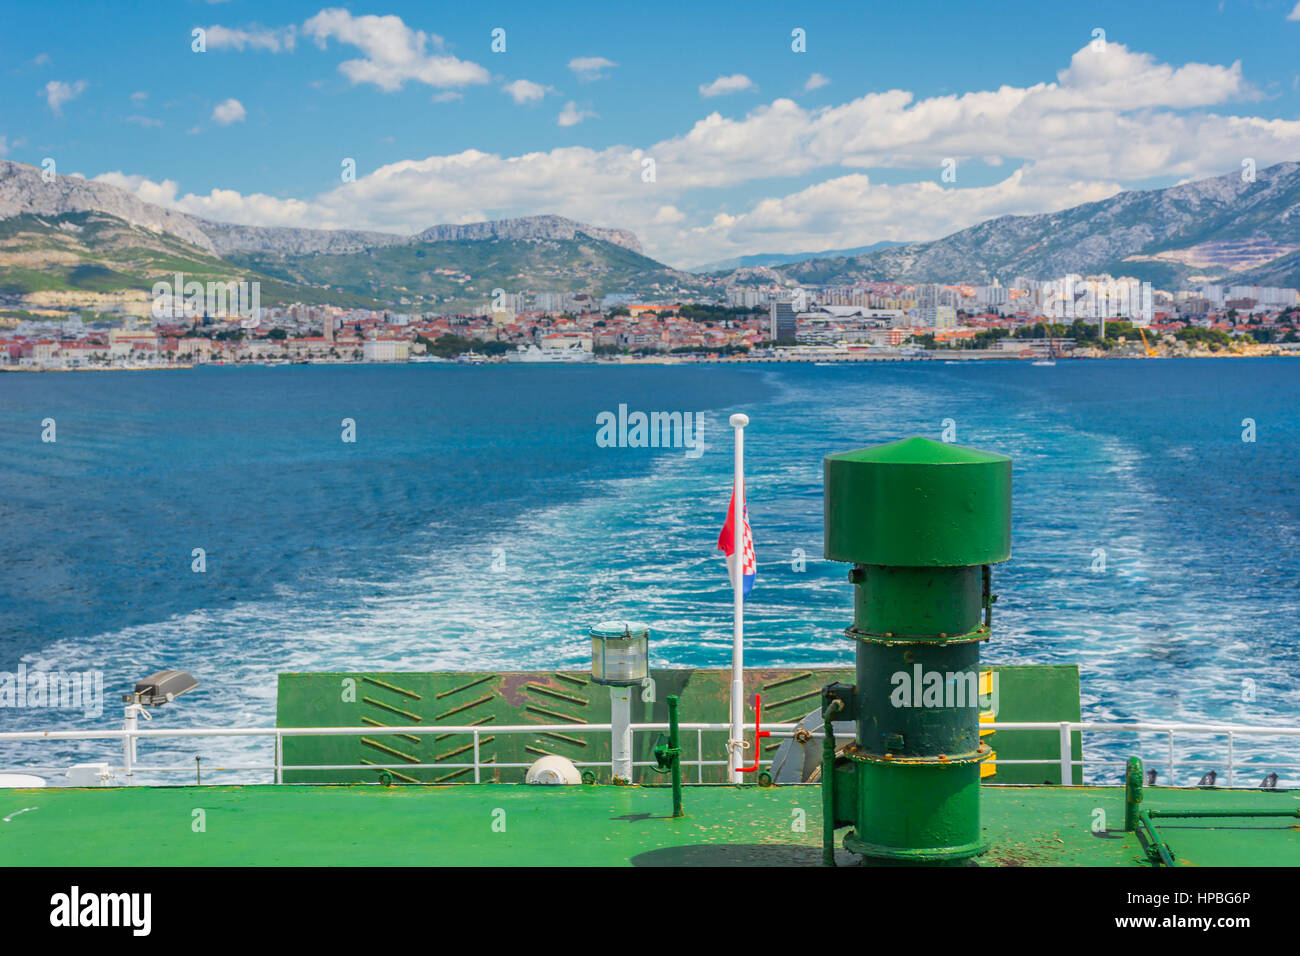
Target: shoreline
<point x="823" y="360"/>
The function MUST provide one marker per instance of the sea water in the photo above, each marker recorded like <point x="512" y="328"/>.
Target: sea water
<point x="219" y="520"/>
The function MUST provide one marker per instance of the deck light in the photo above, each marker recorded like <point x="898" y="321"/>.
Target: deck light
<point x="620" y="654"/>
<point x="161" y="688"/>
<point x="153" y="691"/>
<point x="620" y="659"/>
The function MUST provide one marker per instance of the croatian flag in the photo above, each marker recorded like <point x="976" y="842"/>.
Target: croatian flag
<point x="727" y="545"/>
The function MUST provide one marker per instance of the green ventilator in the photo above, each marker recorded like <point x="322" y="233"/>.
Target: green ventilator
<point x="921" y="522"/>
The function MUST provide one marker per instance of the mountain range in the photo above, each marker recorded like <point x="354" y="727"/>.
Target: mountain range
<point x="777" y="258"/>
<point x="77" y="235"/>
<point x="1234" y="228"/>
<point x="73" y="235"/>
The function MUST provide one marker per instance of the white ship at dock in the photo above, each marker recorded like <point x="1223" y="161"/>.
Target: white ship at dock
<point x="531" y="353"/>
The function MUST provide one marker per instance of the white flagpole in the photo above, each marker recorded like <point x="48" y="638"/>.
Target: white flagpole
<point x="736" y="757"/>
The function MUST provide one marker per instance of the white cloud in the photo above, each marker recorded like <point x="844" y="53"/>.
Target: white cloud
<point x="447" y="96"/>
<point x="1081" y="151"/>
<point x="270" y="39"/>
<point x="1295" y="13"/>
<point x="815" y="82"/>
<point x="394" y="53"/>
<point x="144" y="121"/>
<point x="139" y="96"/>
<point x="228" y="111"/>
<point x="225" y="205"/>
<point x="525" y="91"/>
<point x="161" y="194"/>
<point x="572" y="116"/>
<point x="667" y="215"/>
<point x="57" y="93"/>
<point x="590" y="67"/>
<point x="1118" y="78"/>
<point x="723" y="85"/>
<point x="850" y="210"/>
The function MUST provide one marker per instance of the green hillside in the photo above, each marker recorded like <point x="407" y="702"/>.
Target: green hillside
<point x="470" y="269"/>
<point x="96" y="252"/>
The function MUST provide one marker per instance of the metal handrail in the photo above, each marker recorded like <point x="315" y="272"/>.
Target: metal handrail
<point x="1064" y="729"/>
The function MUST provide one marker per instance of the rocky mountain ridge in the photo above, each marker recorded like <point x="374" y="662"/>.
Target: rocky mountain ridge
<point x="24" y="190"/>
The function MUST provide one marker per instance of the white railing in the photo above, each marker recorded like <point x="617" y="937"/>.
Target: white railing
<point x="1064" y="730"/>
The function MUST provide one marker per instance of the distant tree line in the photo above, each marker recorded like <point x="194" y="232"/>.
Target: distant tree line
<point x="449" y="346"/>
<point x="712" y="313"/>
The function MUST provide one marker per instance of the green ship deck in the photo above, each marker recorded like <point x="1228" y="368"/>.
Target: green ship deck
<point x="519" y="825"/>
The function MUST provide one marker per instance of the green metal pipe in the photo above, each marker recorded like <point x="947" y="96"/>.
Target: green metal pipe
<point x="675" y="753"/>
<point x="1132" y="793"/>
<point x="1219" y="814"/>
<point x="1156" y="849"/>
<point x="829" y="710"/>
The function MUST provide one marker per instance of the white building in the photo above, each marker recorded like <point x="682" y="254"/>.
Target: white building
<point x="385" y="350"/>
<point x="1096" y="297"/>
<point x="739" y="298"/>
<point x="1266" y="297"/>
<point x="567" y="340"/>
<point x="938" y="316"/>
<point x="991" y="296"/>
<point x="833" y="324"/>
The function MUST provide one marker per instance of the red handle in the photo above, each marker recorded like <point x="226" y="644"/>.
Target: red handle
<point x="759" y="734"/>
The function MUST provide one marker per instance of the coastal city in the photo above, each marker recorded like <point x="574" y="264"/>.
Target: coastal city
<point x="1069" y="317"/>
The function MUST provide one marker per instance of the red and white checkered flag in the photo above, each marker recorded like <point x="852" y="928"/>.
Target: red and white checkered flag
<point x="726" y="544"/>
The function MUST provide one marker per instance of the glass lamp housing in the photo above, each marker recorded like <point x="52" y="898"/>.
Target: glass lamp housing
<point x="620" y="653"/>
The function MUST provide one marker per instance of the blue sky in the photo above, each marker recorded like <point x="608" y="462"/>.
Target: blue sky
<point x="757" y="148"/>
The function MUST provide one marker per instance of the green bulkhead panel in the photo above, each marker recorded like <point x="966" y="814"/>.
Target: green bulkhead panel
<point x="484" y="700"/>
<point x="372" y="700"/>
<point x="1035" y="693"/>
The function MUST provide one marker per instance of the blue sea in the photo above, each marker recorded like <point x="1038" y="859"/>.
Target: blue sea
<point x="476" y="523"/>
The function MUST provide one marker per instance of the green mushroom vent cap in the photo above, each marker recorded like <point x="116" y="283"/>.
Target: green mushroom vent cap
<point x="919" y="451"/>
<point x="918" y="503"/>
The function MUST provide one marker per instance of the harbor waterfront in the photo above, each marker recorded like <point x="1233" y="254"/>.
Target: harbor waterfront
<point x="1155" y="521"/>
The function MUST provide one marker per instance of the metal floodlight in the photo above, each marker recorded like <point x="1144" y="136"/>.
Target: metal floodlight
<point x="620" y="654"/>
<point x="161" y="688"/>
